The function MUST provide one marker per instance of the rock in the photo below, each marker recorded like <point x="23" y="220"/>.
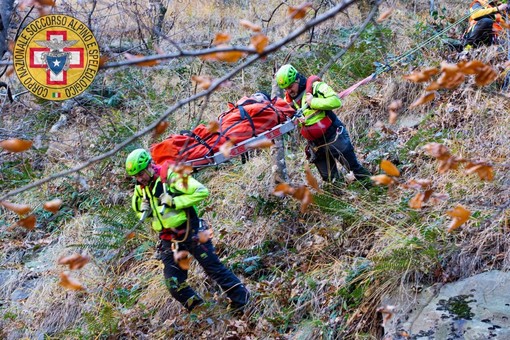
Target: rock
<point x="474" y="308"/>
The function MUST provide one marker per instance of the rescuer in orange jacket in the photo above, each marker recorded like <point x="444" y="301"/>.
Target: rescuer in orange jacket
<point x="484" y="24"/>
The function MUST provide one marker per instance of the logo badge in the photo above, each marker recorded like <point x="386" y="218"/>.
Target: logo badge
<point x="56" y="57"/>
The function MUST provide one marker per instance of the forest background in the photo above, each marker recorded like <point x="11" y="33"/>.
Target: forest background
<point x="324" y="272"/>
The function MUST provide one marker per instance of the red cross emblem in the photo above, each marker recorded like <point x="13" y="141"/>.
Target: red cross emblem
<point x="57" y="40"/>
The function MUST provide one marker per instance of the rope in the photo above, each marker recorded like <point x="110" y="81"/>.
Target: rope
<point x="506" y="83"/>
<point x="420" y="46"/>
<point x="387" y="67"/>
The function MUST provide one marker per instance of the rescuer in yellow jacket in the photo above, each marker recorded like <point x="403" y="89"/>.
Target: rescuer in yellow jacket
<point x="328" y="139"/>
<point x="484" y="25"/>
<point x="170" y="199"/>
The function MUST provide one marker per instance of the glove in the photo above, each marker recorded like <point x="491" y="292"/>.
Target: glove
<point x="310" y="153"/>
<point x="145" y="206"/>
<point x="166" y="199"/>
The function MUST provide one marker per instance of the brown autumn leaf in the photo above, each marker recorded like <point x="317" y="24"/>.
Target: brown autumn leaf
<point x="389" y="168"/>
<point x="310" y="178"/>
<point x="387" y="313"/>
<point x="431" y="71"/>
<point x="10" y="71"/>
<point x="75" y="261"/>
<point x="228" y="56"/>
<point x="300" y="11"/>
<point x="204" y="82"/>
<point x="392" y="117"/>
<point x="393" y="110"/>
<point x="221" y="38"/>
<point x="471" y="67"/>
<point x="213" y="126"/>
<point x="437" y="198"/>
<point x="449" y="68"/>
<point x="46" y="2"/>
<point x="486" y="76"/>
<point x="144" y="63"/>
<point x="433" y="86"/>
<point x="283" y="189"/>
<point x="130" y="235"/>
<point x="382" y="179"/>
<point x="417" y="77"/>
<point x="259" y="42"/>
<point x="183" y="171"/>
<point x="460" y="216"/>
<point x="226" y="147"/>
<point x="451" y="80"/>
<point x="36" y="3"/>
<point x="53" y="205"/>
<point x="418" y="184"/>
<point x="23" y="4"/>
<point x="249" y="25"/>
<point x="395" y="105"/>
<point x="160" y="128"/>
<point x="70" y="283"/>
<point x="482" y="169"/>
<point x="16" y="145"/>
<point x="305" y="196"/>
<point x="416" y="202"/>
<point x="27" y="222"/>
<point x="427" y="195"/>
<point x="103" y="60"/>
<point x="437" y="150"/>
<point x="425" y="98"/>
<point x="183" y="259"/>
<point x="504" y="24"/>
<point x="451" y="163"/>
<point x="451" y="76"/>
<point x="20" y="209"/>
<point x="261" y="144"/>
<point x="387" y="130"/>
<point x="384" y="15"/>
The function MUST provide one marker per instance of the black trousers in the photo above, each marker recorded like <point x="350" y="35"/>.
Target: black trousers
<point x="481" y="34"/>
<point x="336" y="146"/>
<point x="204" y="254"/>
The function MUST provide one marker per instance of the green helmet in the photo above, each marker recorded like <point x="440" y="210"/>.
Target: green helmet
<point x="286" y="75"/>
<point x="137" y="161"/>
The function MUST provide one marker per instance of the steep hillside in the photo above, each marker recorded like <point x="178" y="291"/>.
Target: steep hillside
<point x="322" y="273"/>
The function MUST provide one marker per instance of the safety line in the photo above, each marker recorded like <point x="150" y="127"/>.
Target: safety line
<point x="387" y="67"/>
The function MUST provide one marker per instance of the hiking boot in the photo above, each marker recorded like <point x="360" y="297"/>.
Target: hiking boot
<point x="465" y="54"/>
<point x="236" y="310"/>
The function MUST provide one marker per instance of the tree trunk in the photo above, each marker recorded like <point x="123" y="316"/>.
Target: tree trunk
<point x="5" y="16"/>
<point x="282" y="174"/>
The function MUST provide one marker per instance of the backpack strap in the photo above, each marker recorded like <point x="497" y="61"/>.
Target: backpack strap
<point x="245" y="115"/>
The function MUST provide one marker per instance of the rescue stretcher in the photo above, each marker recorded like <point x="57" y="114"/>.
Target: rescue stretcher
<point x="242" y="147"/>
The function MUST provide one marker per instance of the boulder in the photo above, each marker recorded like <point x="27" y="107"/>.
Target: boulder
<point x="477" y="307"/>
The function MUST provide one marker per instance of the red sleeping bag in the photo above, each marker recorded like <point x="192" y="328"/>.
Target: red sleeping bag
<point x="249" y="117"/>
